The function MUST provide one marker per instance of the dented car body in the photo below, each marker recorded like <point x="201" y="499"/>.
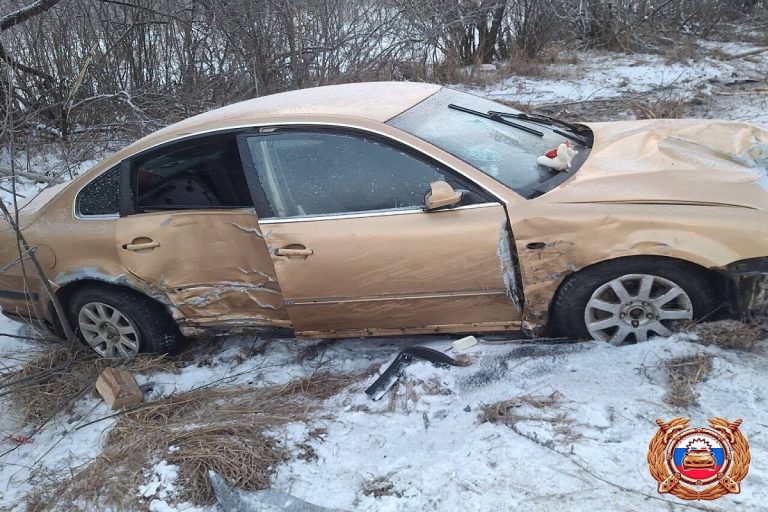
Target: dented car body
<point x="305" y="210"/>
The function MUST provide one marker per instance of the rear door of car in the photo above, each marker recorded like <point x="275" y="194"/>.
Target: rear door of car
<point x="355" y="254"/>
<point x="189" y="230"/>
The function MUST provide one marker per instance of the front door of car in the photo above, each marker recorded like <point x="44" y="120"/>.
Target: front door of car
<point x="191" y="233"/>
<point x="354" y="251"/>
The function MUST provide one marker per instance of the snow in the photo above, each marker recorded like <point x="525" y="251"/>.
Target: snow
<point x="605" y="75"/>
<point x="423" y="447"/>
<point x="426" y="448"/>
<point x="161" y="489"/>
<point x="162" y="481"/>
<point x="51" y="164"/>
<point x="439" y="457"/>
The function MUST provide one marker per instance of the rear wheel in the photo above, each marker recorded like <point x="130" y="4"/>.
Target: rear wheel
<point x="626" y="301"/>
<point x="116" y="322"/>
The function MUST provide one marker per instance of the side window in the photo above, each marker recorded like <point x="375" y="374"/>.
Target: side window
<point x="100" y="196"/>
<point x="314" y="173"/>
<point x="200" y="173"/>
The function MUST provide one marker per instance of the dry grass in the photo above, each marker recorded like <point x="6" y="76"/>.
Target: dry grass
<point x="407" y="391"/>
<point x="310" y="351"/>
<point x="509" y="411"/>
<point x="683" y="374"/>
<point x="665" y="107"/>
<point x="548" y="64"/>
<point x="682" y="50"/>
<point x="528" y="108"/>
<point x="55" y="380"/>
<point x="536" y="408"/>
<point x="225" y="430"/>
<point x="731" y="334"/>
<point x="381" y="486"/>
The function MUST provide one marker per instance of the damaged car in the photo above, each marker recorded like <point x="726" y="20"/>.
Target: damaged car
<point x="378" y="209"/>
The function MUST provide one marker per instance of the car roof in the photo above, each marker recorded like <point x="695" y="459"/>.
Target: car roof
<point x="376" y="101"/>
<point x="371" y="101"/>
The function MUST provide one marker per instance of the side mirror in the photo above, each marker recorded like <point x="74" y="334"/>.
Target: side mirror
<point x="440" y="196"/>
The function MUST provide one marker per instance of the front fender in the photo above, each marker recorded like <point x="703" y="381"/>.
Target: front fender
<point x="563" y="239"/>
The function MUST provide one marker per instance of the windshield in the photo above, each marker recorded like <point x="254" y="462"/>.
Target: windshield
<point x="504" y="152"/>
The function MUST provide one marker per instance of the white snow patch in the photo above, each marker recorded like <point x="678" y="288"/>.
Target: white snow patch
<point x="606" y="75"/>
<point x="437" y="455"/>
<point x="161" y="489"/>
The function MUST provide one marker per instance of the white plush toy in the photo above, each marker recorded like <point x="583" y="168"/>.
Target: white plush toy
<point x="559" y="159"/>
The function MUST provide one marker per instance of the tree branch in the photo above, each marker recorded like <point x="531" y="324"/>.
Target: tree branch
<point x="25" y="13"/>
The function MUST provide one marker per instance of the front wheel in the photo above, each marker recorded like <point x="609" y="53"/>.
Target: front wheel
<point x="627" y="301"/>
<point x="117" y="322"/>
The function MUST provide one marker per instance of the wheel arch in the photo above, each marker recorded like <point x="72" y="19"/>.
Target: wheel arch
<point x="720" y="283"/>
<point x="66" y="290"/>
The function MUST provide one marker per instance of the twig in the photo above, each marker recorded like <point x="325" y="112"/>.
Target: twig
<point x="20" y="337"/>
<point x="11" y="192"/>
<point x="53" y="413"/>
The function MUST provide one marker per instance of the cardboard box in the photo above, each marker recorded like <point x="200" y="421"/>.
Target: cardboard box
<point x="118" y="388"/>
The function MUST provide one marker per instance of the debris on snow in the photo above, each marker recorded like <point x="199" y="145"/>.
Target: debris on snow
<point x="118" y="388"/>
<point x="388" y="378"/>
<point x="464" y="343"/>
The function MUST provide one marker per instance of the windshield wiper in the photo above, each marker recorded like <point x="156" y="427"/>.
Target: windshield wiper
<point x="543" y="119"/>
<point x="497" y="118"/>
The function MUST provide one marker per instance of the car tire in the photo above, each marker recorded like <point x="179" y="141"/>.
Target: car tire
<point x="118" y="322"/>
<point x="589" y="302"/>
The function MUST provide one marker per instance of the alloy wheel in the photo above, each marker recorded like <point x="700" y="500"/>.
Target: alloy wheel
<point x="108" y="331"/>
<point x="635" y="306"/>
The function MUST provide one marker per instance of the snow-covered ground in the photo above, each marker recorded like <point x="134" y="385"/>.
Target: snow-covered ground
<point x="426" y="449"/>
<point x="595" y="75"/>
<point x="437" y="455"/>
<point x="423" y="447"/>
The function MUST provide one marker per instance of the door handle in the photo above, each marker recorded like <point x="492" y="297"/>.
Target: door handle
<point x="294" y="253"/>
<point x="144" y="246"/>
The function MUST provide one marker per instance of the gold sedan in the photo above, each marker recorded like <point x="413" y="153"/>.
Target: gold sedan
<point x="398" y="208"/>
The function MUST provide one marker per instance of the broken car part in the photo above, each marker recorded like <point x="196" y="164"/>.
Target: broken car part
<point x="405" y="357"/>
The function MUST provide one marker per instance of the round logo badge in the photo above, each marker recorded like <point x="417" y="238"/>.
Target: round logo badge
<point x="699" y="463"/>
<point x="698" y="456"/>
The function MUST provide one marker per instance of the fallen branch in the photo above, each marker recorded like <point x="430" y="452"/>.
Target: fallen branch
<point x="749" y="53"/>
<point x="621" y="98"/>
<point x="761" y="90"/>
<point x="28" y="175"/>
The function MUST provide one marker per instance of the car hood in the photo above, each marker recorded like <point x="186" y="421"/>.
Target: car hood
<point x="672" y="161"/>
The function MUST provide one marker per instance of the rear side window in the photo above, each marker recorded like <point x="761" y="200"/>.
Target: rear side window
<point x="100" y="196"/>
<point x="203" y="173"/>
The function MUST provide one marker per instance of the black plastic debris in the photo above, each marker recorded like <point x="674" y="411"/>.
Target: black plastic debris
<point x="383" y="384"/>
